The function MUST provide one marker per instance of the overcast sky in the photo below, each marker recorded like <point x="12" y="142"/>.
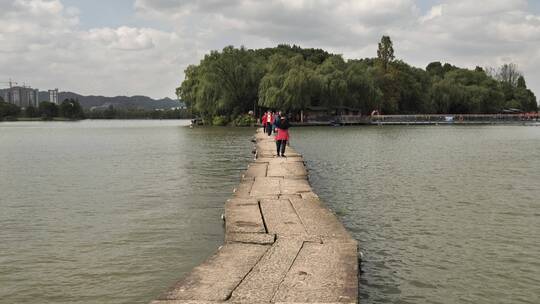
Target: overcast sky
<point x="141" y="47"/>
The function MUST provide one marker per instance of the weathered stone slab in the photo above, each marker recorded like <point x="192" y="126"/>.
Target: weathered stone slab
<point x="322" y="273"/>
<point x="317" y="219"/>
<point x="281" y="218"/>
<point x="292" y="154"/>
<point x="256" y="170"/>
<point x="250" y="238"/>
<point x="243" y="216"/>
<point x="289" y="196"/>
<point x="266" y="149"/>
<point x="266" y="144"/>
<point x="270" y="197"/>
<point x="217" y="277"/>
<point x="293" y="186"/>
<point x="279" y="160"/>
<point x="266" y="154"/>
<point x="243" y="189"/>
<point x="265" y="186"/>
<point x="286" y="169"/>
<point x="309" y="195"/>
<point x="263" y="281"/>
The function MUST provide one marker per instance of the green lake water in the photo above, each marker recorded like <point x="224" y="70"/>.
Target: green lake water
<point x="110" y="211"/>
<point x="117" y="211"/>
<point x="443" y="214"/>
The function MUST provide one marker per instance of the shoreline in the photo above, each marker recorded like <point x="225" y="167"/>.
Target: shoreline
<point x="281" y="243"/>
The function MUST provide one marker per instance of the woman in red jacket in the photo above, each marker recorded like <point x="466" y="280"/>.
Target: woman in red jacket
<point x="282" y="136"/>
<point x="269" y="123"/>
<point x="263" y="121"/>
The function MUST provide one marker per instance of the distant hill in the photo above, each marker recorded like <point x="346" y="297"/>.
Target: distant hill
<point x="125" y="102"/>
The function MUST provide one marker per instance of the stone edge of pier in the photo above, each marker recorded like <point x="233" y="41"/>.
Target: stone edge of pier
<point x="282" y="245"/>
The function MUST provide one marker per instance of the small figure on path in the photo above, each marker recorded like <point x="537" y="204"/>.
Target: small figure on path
<point x="275" y="125"/>
<point x="282" y="136"/>
<point x="263" y="121"/>
<point x="269" y="123"/>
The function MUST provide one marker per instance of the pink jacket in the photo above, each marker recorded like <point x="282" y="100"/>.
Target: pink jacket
<point x="282" y="134"/>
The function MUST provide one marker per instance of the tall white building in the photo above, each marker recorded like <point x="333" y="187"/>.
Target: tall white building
<point x="53" y="96"/>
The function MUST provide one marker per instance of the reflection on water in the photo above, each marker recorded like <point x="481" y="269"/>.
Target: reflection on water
<point x="442" y="214"/>
<point x="110" y="211"/>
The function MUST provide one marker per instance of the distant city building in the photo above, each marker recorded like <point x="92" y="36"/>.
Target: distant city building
<point x="24" y="96"/>
<point x="53" y="96"/>
<point x="21" y="96"/>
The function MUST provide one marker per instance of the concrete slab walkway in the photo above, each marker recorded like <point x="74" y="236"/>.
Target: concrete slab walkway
<point x="282" y="245"/>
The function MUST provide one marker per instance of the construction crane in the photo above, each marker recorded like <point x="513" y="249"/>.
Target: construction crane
<point x="10" y="82"/>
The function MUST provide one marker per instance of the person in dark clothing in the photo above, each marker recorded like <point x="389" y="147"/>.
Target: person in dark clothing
<point x="282" y="135"/>
<point x="277" y="117"/>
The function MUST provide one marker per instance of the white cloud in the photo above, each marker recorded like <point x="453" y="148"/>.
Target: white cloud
<point x="122" y="38"/>
<point x="433" y="13"/>
<point x="41" y="44"/>
<point x="44" y="39"/>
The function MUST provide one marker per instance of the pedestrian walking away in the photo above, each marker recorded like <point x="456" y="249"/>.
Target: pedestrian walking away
<point x="269" y="123"/>
<point x="282" y="136"/>
<point x="263" y="121"/>
<point x="277" y="118"/>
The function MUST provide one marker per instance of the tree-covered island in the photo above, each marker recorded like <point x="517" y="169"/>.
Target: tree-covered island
<point x="225" y="85"/>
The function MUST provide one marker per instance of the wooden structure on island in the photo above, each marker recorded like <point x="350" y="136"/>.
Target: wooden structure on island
<point x="282" y="245"/>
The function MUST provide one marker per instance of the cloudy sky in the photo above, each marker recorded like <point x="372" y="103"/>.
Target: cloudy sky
<point x="132" y="47"/>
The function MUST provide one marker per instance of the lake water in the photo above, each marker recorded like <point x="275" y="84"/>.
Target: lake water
<point x="110" y="211"/>
<point x="117" y="211"/>
<point x="443" y="214"/>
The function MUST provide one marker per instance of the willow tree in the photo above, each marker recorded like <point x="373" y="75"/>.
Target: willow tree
<point x="235" y="73"/>
<point x="363" y="93"/>
<point x="290" y="84"/>
<point x="224" y="83"/>
<point x="271" y="87"/>
<point x="299" y="87"/>
<point x="333" y="83"/>
<point x="187" y="92"/>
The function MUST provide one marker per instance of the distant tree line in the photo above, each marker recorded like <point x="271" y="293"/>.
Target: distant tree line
<point x="68" y="109"/>
<point x="235" y="81"/>
<point x="134" y="113"/>
<point x="8" y="110"/>
<point x="71" y="109"/>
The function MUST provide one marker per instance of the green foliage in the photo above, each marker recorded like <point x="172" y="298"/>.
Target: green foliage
<point x="244" y="120"/>
<point x="316" y="56"/>
<point x="31" y="112"/>
<point x="508" y="73"/>
<point x="48" y="110"/>
<point x="466" y="91"/>
<point x="363" y="93"/>
<point x="521" y="82"/>
<point x="220" y="120"/>
<point x="435" y="69"/>
<point x="385" y="52"/>
<point x="234" y="81"/>
<point x="71" y="109"/>
<point x="224" y="83"/>
<point x="8" y="110"/>
<point x="112" y="113"/>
